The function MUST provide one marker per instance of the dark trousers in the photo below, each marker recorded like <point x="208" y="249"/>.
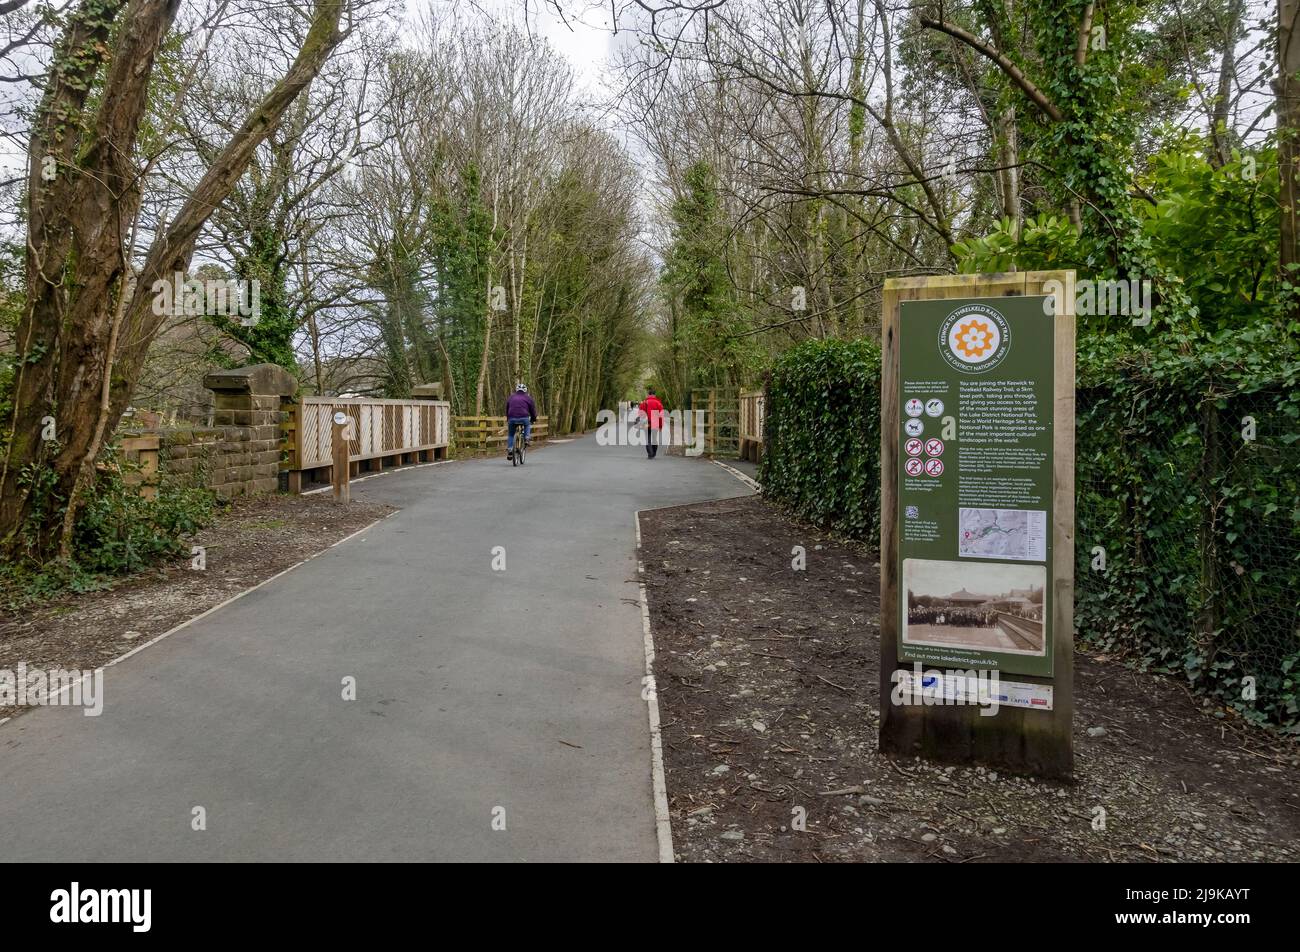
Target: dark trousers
<point x="651" y="442"/>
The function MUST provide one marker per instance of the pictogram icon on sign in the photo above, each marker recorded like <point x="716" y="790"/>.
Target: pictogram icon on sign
<point x="913" y="447"/>
<point x="913" y="407"/>
<point x="913" y="467"/>
<point x="934" y="467"/>
<point x="914" y="427"/>
<point x="934" y="447"/>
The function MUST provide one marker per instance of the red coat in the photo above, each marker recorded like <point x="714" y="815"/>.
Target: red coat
<point x="654" y="411"/>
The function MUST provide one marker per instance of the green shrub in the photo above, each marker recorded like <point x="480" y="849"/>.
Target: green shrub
<point x="117" y="532"/>
<point x="821" y="449"/>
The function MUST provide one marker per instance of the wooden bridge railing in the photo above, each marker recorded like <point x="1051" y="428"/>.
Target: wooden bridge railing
<point x="751" y="423"/>
<point x="382" y="432"/>
<point x="488" y="432"/>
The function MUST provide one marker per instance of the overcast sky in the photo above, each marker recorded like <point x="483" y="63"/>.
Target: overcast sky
<point x="584" y="36"/>
<point x="585" y="39"/>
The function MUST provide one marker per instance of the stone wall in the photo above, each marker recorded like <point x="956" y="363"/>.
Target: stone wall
<point x="240" y="453"/>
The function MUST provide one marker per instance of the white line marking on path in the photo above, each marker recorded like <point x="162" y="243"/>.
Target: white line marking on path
<point x="751" y="483"/>
<point x="663" y="825"/>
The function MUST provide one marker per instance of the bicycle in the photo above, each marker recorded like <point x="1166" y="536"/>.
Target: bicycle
<point x="517" y="454"/>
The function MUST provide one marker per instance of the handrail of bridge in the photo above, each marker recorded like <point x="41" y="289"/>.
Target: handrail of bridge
<point x="381" y="431"/>
<point x="752" y="406"/>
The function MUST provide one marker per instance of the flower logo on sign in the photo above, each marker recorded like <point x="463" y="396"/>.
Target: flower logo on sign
<point x="974" y="339"/>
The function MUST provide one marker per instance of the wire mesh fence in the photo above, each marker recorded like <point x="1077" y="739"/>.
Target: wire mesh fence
<point x="1188" y="530"/>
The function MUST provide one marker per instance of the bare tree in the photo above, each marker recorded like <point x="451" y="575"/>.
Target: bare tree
<point x="89" y="318"/>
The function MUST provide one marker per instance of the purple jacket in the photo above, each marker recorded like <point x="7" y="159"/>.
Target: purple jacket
<point x="521" y="405"/>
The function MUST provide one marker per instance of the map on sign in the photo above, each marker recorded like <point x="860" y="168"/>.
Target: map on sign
<point x="1019" y="534"/>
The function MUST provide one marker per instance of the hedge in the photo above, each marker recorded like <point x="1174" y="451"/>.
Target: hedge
<point x="821" y="441"/>
<point x="1187" y="480"/>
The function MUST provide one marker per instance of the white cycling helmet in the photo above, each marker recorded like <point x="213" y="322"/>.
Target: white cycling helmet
<point x="521" y="388"/>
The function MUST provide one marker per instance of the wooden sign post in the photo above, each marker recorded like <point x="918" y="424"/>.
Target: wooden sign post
<point x="977" y="520"/>
<point x="341" y="464"/>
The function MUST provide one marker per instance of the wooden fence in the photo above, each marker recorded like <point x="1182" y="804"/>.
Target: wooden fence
<point x="721" y="406"/>
<point x="488" y="432"/>
<point x="382" y="432"/>
<point x="751" y="424"/>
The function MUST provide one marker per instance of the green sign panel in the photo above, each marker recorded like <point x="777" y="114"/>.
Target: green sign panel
<point x="975" y="484"/>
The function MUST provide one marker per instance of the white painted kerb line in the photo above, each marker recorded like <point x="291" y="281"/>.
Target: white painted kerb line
<point x="748" y="481"/>
<point x="663" y="826"/>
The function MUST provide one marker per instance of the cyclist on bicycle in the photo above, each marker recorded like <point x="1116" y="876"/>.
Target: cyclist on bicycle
<point x="520" y="412"/>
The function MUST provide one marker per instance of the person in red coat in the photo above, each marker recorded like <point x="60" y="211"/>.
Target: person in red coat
<point x="654" y="414"/>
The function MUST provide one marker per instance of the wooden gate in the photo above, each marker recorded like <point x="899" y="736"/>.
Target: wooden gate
<point x="721" y="406"/>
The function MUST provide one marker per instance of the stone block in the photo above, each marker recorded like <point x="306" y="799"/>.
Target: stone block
<point x="256" y="378"/>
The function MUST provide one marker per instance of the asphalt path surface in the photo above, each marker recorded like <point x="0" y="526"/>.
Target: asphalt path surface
<point x="485" y="697"/>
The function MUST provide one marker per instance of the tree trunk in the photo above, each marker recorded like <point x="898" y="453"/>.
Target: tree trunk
<point x="1220" y="138"/>
<point x="483" y="362"/>
<point x="1288" y="126"/>
<point x="1010" y="143"/>
<point x="77" y="252"/>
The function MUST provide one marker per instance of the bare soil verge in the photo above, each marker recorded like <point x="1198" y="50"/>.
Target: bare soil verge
<point x="768" y="690"/>
<point x="248" y="543"/>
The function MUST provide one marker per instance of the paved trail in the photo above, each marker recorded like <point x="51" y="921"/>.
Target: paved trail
<point x="476" y="689"/>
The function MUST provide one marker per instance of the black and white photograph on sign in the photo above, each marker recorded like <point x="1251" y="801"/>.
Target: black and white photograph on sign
<point x="978" y="605"/>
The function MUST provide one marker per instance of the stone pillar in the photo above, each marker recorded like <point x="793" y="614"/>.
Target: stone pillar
<point x="248" y="412"/>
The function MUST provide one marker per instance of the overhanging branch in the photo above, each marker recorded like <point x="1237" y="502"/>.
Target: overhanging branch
<point x="1014" y="73"/>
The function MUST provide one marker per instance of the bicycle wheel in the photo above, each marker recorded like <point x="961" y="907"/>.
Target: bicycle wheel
<point x="520" y="449"/>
